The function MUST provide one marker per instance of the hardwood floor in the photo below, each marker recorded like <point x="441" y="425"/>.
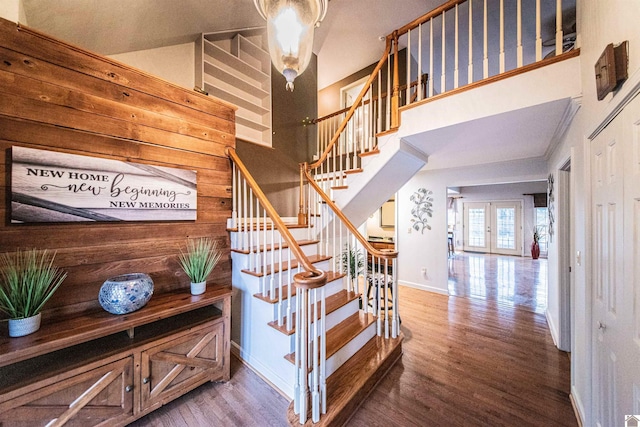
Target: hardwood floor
<point x="467" y="361"/>
<point x="509" y="280"/>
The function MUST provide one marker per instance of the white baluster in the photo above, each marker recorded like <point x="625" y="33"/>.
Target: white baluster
<point x="519" y="33"/>
<point x="379" y="118"/>
<point x="538" y="33"/>
<point x="470" y="68"/>
<point x="280" y="284"/>
<point x="430" y="57"/>
<point x="289" y="292"/>
<point x="408" y="92"/>
<point x="251" y="248"/>
<point x="443" y="78"/>
<point x="485" y="30"/>
<point x="264" y="254"/>
<point x="315" y="395"/>
<point x="419" y="86"/>
<point x="559" y="35"/>
<point x="301" y="329"/>
<point x="385" y="298"/>
<point x="394" y="288"/>
<point x="245" y="240"/>
<point x="297" y="357"/>
<point x="502" y="56"/>
<point x="388" y="111"/>
<point x="272" y="278"/>
<point x="234" y="198"/>
<point x="323" y="350"/>
<point x="455" y="64"/>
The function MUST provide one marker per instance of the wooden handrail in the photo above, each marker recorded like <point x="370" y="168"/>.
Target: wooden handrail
<point x="424" y="18"/>
<point x="353" y="108"/>
<point x="312" y="278"/>
<point x="384" y="253"/>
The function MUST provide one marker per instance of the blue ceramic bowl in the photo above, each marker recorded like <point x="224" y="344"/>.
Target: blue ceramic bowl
<point x="125" y="293"/>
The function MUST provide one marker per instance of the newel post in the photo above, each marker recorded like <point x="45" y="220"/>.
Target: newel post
<point x="395" y="97"/>
<point x="302" y="212"/>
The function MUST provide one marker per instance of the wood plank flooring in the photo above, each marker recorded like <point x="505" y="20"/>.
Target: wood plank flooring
<point x="471" y="362"/>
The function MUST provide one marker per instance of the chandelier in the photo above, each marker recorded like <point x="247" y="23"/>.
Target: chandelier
<point x="290" y="25"/>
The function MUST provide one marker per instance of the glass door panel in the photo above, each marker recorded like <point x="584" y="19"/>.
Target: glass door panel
<point x="476" y="227"/>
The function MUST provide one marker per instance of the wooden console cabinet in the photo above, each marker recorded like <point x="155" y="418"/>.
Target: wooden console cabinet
<point x="108" y="370"/>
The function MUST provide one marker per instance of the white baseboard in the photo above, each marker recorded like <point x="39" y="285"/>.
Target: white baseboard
<point x="552" y="328"/>
<point x="267" y="375"/>
<point x="424" y="287"/>
<point x="578" y="408"/>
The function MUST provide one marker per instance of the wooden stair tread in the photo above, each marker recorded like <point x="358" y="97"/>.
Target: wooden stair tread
<point x="352" y="382"/>
<point x="340" y="187"/>
<point x="352" y="171"/>
<point x="276" y="246"/>
<point x="334" y="302"/>
<point x="286" y="266"/>
<point x="331" y="276"/>
<point x="369" y="153"/>
<point x="342" y="333"/>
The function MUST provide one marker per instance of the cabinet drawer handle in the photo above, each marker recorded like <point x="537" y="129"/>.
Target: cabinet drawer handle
<point x="145" y="380"/>
<point x="128" y="388"/>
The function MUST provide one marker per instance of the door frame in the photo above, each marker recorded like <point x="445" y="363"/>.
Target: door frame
<point x="565" y="266"/>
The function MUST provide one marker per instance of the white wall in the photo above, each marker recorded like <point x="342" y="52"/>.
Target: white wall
<point x="429" y="249"/>
<point x="599" y="23"/>
<point x="172" y="63"/>
<point x="12" y="10"/>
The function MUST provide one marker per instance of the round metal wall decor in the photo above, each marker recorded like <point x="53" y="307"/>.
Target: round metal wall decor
<point x="126" y="293"/>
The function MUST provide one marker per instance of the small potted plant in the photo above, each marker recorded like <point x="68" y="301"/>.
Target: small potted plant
<point x="198" y="262"/>
<point x="27" y="280"/>
<point x="352" y="261"/>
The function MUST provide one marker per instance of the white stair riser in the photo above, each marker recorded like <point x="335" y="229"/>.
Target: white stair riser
<point x="351" y="348"/>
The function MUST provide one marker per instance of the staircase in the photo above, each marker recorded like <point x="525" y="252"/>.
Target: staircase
<point x="344" y="329"/>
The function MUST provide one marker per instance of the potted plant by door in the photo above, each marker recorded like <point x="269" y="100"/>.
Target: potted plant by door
<point x="198" y="262"/>
<point x="535" y="246"/>
<point x="27" y="280"/>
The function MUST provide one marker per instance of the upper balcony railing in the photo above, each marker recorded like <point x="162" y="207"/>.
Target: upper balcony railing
<point x="461" y="44"/>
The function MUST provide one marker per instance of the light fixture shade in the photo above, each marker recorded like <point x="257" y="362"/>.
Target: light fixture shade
<point x="290" y="26"/>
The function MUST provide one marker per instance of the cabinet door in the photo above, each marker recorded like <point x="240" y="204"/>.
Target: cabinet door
<point x="180" y="364"/>
<point x="101" y="396"/>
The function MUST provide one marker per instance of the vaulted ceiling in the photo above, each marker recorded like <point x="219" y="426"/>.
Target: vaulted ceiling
<point x="116" y="26"/>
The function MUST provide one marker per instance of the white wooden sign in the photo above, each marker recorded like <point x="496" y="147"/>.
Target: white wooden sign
<point x="48" y="186"/>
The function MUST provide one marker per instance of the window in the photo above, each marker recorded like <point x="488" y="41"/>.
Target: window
<point x="541" y="217"/>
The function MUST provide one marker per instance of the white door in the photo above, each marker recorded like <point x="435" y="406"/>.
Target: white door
<point x="493" y="227"/>
<point x="615" y="174"/>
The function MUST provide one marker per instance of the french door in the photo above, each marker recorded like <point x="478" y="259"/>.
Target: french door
<point x="493" y="227"/>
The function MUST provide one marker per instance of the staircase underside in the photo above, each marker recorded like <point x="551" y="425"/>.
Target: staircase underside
<point x="350" y="385"/>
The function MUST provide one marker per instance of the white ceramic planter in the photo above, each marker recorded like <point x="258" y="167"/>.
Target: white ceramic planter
<point x="26" y="326"/>
<point x="198" y="288"/>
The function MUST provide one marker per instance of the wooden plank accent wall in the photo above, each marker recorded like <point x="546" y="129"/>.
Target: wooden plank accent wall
<point x="58" y="97"/>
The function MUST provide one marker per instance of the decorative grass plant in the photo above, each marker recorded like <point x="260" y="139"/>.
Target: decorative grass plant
<point x="200" y="259"/>
<point x="352" y="261"/>
<point x="27" y="280"/>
